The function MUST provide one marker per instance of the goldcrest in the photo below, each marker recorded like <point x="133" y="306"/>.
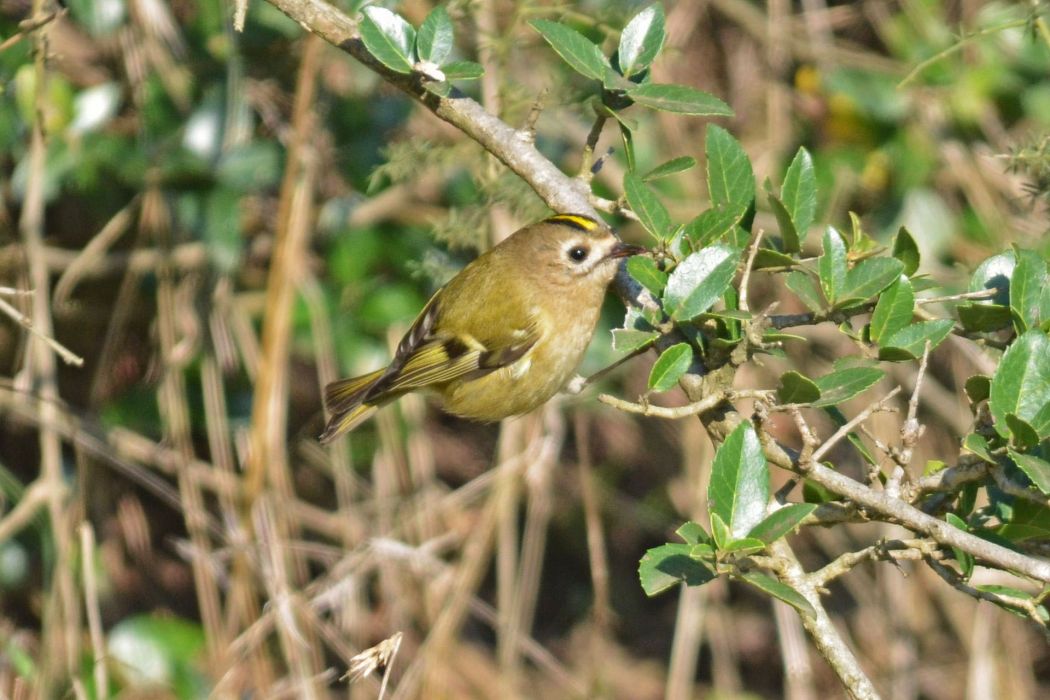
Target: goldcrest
<point x="504" y="335"/>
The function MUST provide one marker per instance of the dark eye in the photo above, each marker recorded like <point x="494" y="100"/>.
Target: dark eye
<point x="578" y="254"/>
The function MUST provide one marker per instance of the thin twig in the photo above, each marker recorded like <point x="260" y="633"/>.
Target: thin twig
<point x="848" y="427"/>
<point x="67" y="355"/>
<point x="695" y="408"/>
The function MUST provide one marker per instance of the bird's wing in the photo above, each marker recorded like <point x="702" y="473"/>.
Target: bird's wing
<point x="427" y="357"/>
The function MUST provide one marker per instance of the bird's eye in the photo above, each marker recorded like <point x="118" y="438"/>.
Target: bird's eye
<point x="578" y="253"/>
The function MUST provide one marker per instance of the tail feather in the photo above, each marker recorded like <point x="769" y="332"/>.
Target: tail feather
<point x="342" y="395"/>
<point x="345" y="401"/>
<point x="345" y="422"/>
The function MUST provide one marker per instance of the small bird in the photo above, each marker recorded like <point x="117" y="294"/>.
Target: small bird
<point x="504" y="335"/>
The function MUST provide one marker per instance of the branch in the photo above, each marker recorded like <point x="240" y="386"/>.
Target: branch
<point x="513" y="147"/>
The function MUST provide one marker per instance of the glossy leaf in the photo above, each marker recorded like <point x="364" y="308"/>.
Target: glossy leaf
<point x="650" y="210"/>
<point x="978" y="445"/>
<point x="1021" y="384"/>
<point x="668" y="565"/>
<point x="670" y="366"/>
<point x="797" y="388"/>
<point x="984" y="318"/>
<point x="693" y="533"/>
<point x="434" y="39"/>
<point x="894" y="309"/>
<point x="832" y="265"/>
<point x="965" y="559"/>
<point x="1027" y="521"/>
<point x="745" y="546"/>
<point x="781" y="591"/>
<point x="730" y="179"/>
<point x="739" y="487"/>
<point x="675" y="165"/>
<point x="462" y="70"/>
<point x="1026" y="288"/>
<point x="1022" y="433"/>
<point x="680" y="99"/>
<point x="788" y="232"/>
<point x="781" y="521"/>
<point x="1036" y="469"/>
<point x="995" y="273"/>
<point x="799" y="195"/>
<point x="868" y="278"/>
<point x="805" y="288"/>
<point x="699" y="281"/>
<point x="712" y="225"/>
<point x="388" y="37"/>
<point x="645" y="271"/>
<point x="906" y="250"/>
<point x="844" y="384"/>
<point x="978" y="387"/>
<point x="910" y="342"/>
<point x="641" y="40"/>
<point x="630" y="339"/>
<point x="582" y="55"/>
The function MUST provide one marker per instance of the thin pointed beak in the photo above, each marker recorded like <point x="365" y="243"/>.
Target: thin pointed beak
<point x="625" y="250"/>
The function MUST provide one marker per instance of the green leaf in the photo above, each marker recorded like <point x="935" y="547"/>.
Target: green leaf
<point x="675" y="165"/>
<point x="805" y="289"/>
<point x="767" y="257"/>
<point x="978" y="445"/>
<point x="788" y="232"/>
<point x="997" y="589"/>
<point x="720" y="532"/>
<point x="1026" y="288"/>
<point x="641" y="40"/>
<point x="730" y="179"/>
<point x="781" y="521"/>
<point x="668" y="565"/>
<point x="650" y="210"/>
<point x="868" y="278"/>
<point x="630" y="339"/>
<point x="670" y="366"/>
<point x="628" y="145"/>
<point x="815" y="493"/>
<point x="797" y="388"/>
<point x="799" y="196"/>
<point x="739" y="487"/>
<point x="894" y="309"/>
<point x="978" y="387"/>
<point x="434" y="40"/>
<point x="780" y="591"/>
<point x="582" y="55"/>
<point x="745" y="546"/>
<point x="644" y="269"/>
<point x="840" y="420"/>
<point x="965" y="559"/>
<point x="712" y="225"/>
<point x="1021" y="431"/>
<point x="844" y="384"/>
<point x="388" y="37"/>
<point x="693" y="533"/>
<point x="1021" y="384"/>
<point x="699" y="281"/>
<point x="679" y="99"/>
<point x="982" y="317"/>
<point x="906" y="250"/>
<point x="1028" y="521"/>
<point x="462" y="70"/>
<point x="1036" y="469"/>
<point x="832" y="264"/>
<point x="995" y="273"/>
<point x="909" y="342"/>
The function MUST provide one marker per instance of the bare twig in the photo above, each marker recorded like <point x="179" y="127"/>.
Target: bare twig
<point x="693" y="409"/>
<point x="848" y="427"/>
<point x="67" y="355"/>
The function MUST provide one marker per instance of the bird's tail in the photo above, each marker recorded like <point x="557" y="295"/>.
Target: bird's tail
<point x="345" y="401"/>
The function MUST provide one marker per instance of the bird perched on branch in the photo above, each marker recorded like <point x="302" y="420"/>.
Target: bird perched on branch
<point x="504" y="335"/>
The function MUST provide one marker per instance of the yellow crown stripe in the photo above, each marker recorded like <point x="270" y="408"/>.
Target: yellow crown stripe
<point x="575" y="220"/>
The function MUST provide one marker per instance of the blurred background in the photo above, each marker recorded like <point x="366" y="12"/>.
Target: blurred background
<point x="220" y="222"/>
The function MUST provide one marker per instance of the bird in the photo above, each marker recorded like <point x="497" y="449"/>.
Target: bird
<point x="502" y="336"/>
